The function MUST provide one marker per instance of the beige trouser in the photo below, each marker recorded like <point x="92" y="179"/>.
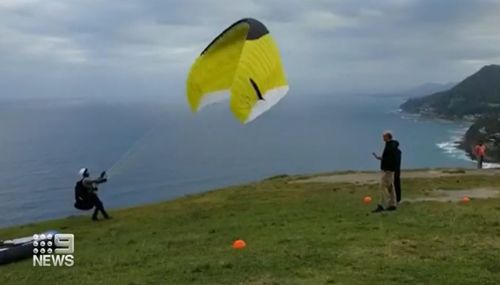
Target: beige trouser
<point x="387" y="192"/>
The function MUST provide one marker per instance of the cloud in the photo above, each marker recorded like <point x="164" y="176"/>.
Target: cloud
<point x="31" y="46"/>
<point x="146" y="47"/>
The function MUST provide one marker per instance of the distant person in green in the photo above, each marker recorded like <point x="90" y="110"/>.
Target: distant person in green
<point x="389" y="164"/>
<point x="480" y="152"/>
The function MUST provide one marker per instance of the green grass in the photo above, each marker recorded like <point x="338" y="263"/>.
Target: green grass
<point x="295" y="234"/>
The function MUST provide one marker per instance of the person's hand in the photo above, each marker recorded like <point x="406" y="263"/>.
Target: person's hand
<point x="376" y="156"/>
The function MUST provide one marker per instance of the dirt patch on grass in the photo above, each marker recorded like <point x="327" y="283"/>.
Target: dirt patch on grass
<point x="456" y="195"/>
<point x="374" y="177"/>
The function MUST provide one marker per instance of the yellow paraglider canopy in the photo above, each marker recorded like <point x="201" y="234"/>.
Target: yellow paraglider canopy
<point x="244" y="63"/>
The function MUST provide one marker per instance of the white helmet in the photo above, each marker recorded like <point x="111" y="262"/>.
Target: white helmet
<point x="83" y="171"/>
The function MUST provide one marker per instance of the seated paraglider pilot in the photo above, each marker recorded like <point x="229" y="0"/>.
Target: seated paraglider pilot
<point x="86" y="193"/>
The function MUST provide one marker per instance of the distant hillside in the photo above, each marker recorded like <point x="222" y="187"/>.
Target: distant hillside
<point x="428" y="88"/>
<point x="478" y="98"/>
<point x="476" y="95"/>
<point x="415" y="91"/>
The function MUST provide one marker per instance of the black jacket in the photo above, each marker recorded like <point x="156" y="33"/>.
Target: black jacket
<point x="391" y="158"/>
<point x="398" y="157"/>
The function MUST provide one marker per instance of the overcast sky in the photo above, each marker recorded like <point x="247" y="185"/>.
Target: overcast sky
<point x="124" y="47"/>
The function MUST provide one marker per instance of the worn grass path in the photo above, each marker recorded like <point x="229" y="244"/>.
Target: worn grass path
<point x="297" y="233"/>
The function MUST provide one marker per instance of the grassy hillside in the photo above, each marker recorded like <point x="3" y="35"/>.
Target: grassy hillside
<point x="297" y="233"/>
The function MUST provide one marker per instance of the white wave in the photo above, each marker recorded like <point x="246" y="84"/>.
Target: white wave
<point x="452" y="149"/>
<point x="452" y="146"/>
<point x="489" y="165"/>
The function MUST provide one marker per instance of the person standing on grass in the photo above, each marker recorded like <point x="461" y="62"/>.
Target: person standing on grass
<point x="397" y="173"/>
<point x="480" y="152"/>
<point x="389" y="166"/>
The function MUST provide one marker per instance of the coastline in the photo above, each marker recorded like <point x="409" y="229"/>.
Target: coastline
<point x="148" y="178"/>
<point x="454" y="147"/>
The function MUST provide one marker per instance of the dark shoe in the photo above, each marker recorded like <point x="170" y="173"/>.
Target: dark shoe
<point x="95" y="219"/>
<point x="378" y="209"/>
<point x="391" y="208"/>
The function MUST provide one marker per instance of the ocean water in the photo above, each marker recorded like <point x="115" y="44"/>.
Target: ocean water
<point x="157" y="150"/>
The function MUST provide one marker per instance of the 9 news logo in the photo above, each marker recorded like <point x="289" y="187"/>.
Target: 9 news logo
<point x="53" y="250"/>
